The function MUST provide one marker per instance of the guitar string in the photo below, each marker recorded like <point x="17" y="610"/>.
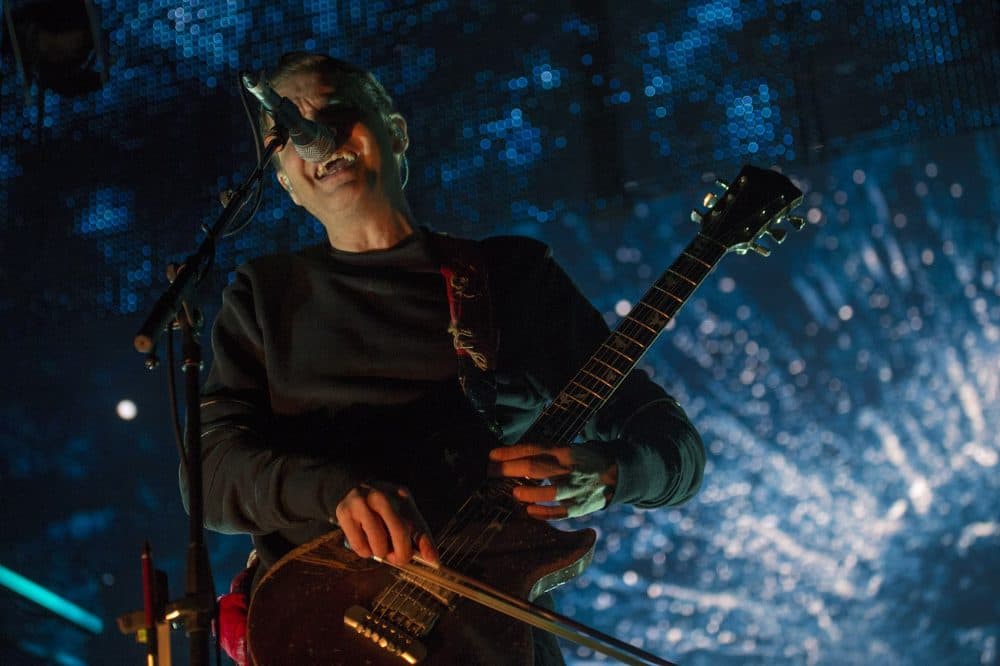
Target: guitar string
<point x="402" y="588"/>
<point x="411" y="591"/>
<point x="638" y="334"/>
<point x="463" y="519"/>
<point x="632" y="329"/>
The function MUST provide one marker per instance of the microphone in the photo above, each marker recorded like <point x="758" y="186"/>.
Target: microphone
<point x="313" y="142"/>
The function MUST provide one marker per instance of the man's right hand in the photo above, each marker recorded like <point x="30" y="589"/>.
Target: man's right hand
<point x="381" y="519"/>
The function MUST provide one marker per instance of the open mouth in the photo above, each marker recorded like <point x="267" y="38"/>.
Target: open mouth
<point x="341" y="160"/>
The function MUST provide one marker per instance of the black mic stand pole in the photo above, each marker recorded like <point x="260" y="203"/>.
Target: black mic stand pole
<point x="197" y="608"/>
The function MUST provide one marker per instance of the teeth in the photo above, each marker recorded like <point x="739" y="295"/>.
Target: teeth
<point x="348" y="158"/>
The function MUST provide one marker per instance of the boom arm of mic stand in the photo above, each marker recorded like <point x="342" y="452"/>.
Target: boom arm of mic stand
<point x="193" y="270"/>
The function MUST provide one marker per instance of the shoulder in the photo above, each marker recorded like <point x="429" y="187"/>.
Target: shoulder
<point x="272" y="277"/>
<point x="515" y="248"/>
<point x="271" y="267"/>
<point x="502" y="254"/>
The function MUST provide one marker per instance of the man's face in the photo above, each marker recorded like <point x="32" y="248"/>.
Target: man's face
<point x="362" y="174"/>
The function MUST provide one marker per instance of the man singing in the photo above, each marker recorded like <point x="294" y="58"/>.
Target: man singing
<point x="337" y="368"/>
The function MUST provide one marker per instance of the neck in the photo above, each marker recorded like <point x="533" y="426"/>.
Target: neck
<point x="377" y="230"/>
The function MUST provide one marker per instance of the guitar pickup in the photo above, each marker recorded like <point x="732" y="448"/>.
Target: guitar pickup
<point x="385" y="635"/>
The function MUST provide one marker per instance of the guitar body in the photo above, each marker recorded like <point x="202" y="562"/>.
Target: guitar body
<point x="320" y="580"/>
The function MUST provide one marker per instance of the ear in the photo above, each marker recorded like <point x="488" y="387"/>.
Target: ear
<point x="287" y="186"/>
<point x="400" y="139"/>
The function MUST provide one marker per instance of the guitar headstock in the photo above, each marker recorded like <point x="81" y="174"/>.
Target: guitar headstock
<point x="753" y="205"/>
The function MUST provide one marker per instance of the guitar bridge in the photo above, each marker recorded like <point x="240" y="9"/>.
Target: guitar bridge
<point x="385" y="635"/>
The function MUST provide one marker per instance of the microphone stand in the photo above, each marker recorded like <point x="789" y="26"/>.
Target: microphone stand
<point x="197" y="608"/>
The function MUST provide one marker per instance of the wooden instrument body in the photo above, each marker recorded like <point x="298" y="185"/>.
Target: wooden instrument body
<point x="297" y="612"/>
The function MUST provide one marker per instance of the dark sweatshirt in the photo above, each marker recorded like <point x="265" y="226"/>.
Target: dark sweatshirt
<point x="333" y="368"/>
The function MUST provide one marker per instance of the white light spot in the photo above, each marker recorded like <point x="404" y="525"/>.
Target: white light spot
<point x="622" y="308"/>
<point x="630" y="578"/>
<point x="859" y="176"/>
<point x="921" y="495"/>
<point x="974" y="531"/>
<point x="604" y="601"/>
<point x="931" y="170"/>
<point x="921" y="189"/>
<point x="897" y="510"/>
<point x="127" y="410"/>
<point x="727" y="285"/>
<point x="983" y="456"/>
<point x="814" y="215"/>
<point x="956" y="190"/>
<point x="845" y="312"/>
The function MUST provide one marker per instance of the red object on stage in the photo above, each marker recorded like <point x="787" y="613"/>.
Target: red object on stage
<point x="232" y="622"/>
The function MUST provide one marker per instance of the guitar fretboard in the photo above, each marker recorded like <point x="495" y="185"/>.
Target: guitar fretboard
<point x="604" y="372"/>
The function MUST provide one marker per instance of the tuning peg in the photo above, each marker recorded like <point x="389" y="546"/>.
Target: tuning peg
<point x="778" y="235"/>
<point x="721" y="184"/>
<point x="709" y="200"/>
<point x="760" y="249"/>
<point x="696" y="216"/>
<point x="796" y="222"/>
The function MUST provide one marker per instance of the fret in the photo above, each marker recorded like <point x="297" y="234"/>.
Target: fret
<point x="691" y="266"/>
<point x="556" y="405"/>
<point x="683" y="277"/>
<point x="708" y="247"/>
<point x="608" y="366"/>
<point x="702" y="238"/>
<point x="669" y="293"/>
<point x="596" y="395"/>
<point x="656" y="310"/>
<point x="587" y="372"/>
<point x="630" y="339"/>
<point x="643" y="324"/>
<point x="612" y="375"/>
<point x="565" y="396"/>
<point x="622" y="354"/>
<point x="698" y="259"/>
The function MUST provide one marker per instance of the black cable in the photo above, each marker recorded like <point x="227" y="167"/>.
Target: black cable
<point x="258" y="145"/>
<point x="174" y="408"/>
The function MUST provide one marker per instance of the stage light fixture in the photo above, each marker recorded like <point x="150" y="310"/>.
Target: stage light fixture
<point x="56" y="44"/>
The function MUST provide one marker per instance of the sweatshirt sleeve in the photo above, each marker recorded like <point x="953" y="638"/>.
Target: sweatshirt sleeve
<point x="659" y="452"/>
<point x="251" y="483"/>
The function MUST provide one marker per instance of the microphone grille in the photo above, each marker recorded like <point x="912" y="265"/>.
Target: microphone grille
<point x="319" y="149"/>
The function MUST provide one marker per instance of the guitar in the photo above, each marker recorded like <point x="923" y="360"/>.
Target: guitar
<point x="321" y="604"/>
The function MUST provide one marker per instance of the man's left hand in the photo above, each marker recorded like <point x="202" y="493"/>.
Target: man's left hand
<point x="582" y="480"/>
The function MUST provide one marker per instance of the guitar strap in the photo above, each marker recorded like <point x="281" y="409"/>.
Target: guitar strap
<point x="473" y="331"/>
